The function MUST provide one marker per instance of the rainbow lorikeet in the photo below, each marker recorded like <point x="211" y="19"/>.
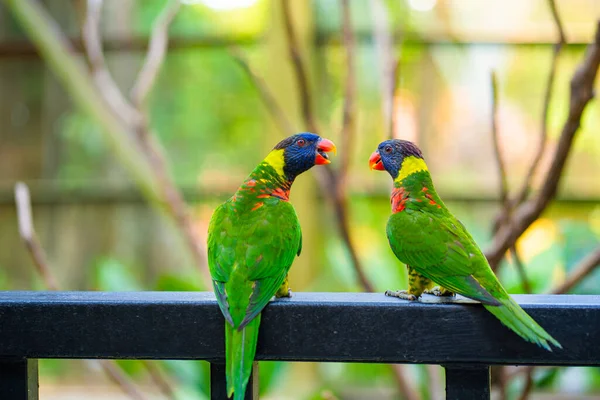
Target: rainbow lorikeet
<point x="253" y="239"/>
<point x="437" y="248"/>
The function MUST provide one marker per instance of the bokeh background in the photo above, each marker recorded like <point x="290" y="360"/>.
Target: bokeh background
<point x="100" y="233"/>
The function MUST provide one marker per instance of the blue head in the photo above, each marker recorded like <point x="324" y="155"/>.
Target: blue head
<point x="302" y="151"/>
<point x="390" y="155"/>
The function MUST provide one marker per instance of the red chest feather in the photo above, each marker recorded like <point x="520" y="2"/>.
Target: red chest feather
<point x="399" y="199"/>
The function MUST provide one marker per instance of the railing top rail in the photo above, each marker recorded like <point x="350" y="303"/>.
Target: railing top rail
<point x="341" y="327"/>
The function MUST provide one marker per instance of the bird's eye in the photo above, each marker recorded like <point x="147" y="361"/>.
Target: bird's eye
<point x="301" y="142"/>
<point x="387" y="149"/>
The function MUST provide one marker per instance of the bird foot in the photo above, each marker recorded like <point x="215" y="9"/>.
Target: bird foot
<point x="283" y="293"/>
<point x="439" y="291"/>
<point x="401" y="294"/>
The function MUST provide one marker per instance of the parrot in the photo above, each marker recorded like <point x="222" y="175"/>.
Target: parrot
<point x="436" y="247"/>
<point x="253" y="238"/>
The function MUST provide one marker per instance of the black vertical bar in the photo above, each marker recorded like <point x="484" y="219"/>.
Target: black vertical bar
<point x="18" y="379"/>
<point x="218" y="384"/>
<point x="467" y="382"/>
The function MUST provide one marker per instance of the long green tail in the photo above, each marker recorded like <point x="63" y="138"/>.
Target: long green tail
<point x="515" y="318"/>
<point x="240" y="349"/>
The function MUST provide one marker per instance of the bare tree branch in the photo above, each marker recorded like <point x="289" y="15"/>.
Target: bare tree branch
<point x="406" y="390"/>
<point x="496" y="141"/>
<point x="393" y="121"/>
<point x="104" y="81"/>
<point x="114" y="373"/>
<point x="528" y="384"/>
<point x="562" y="39"/>
<point x="520" y="269"/>
<point x="504" y="199"/>
<point x="269" y="101"/>
<point x="157" y="48"/>
<point x="328" y="180"/>
<point x="435" y="382"/>
<point x="348" y="138"/>
<point x="299" y="69"/>
<point x="348" y="122"/>
<point x="158" y="377"/>
<point x="582" y="270"/>
<point x="582" y="85"/>
<point x="522" y="194"/>
<point x="384" y="45"/>
<point x="27" y="232"/>
<point x="133" y="143"/>
<point x="339" y="202"/>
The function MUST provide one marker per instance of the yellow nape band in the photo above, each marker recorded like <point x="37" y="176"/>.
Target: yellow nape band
<point x="410" y="165"/>
<point x="275" y="159"/>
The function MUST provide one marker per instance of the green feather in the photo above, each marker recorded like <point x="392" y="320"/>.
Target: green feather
<point x="425" y="235"/>
<point x="241" y="347"/>
<point x="513" y="316"/>
<point x="253" y="239"/>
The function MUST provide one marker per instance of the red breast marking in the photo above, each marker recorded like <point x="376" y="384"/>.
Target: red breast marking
<point x="281" y="193"/>
<point x="257" y="206"/>
<point x="399" y="199"/>
<point x="431" y="201"/>
<point x="263" y="196"/>
<point x="425" y="188"/>
<point x="251" y="183"/>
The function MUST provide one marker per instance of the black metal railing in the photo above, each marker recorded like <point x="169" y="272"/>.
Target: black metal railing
<point x="340" y="327"/>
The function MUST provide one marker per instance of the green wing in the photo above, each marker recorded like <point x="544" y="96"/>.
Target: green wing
<point x="438" y="246"/>
<point x="249" y="255"/>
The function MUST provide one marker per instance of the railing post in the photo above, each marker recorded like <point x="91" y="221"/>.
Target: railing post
<point x="18" y="379"/>
<point x="467" y="382"/>
<point x="218" y="384"/>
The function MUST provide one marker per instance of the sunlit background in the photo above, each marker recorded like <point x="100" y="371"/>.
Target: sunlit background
<point x="100" y="234"/>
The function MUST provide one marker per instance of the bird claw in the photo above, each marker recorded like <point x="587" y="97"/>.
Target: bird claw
<point x="439" y="291"/>
<point x="401" y="294"/>
<point x="279" y="294"/>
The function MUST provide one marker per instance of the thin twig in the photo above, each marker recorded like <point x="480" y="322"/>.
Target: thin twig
<point x="582" y="85"/>
<point x="340" y="196"/>
<point x="407" y="392"/>
<point x="266" y="96"/>
<point x="528" y="384"/>
<point x="158" y="377"/>
<point x="525" y="189"/>
<point x="171" y="199"/>
<point x="393" y="130"/>
<point x="436" y="383"/>
<point x="328" y="178"/>
<point x="157" y="49"/>
<point x="329" y="181"/>
<point x="384" y="46"/>
<point x="299" y="68"/>
<point x="27" y="232"/>
<point x="103" y="80"/>
<point x="504" y="199"/>
<point x="522" y="195"/>
<point x="349" y="109"/>
<point x="581" y="271"/>
<point x="496" y="141"/>
<point x="520" y="269"/>
<point x="562" y="39"/>
<point x="114" y="373"/>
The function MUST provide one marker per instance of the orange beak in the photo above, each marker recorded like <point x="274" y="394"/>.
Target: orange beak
<point x="375" y="162"/>
<point x="323" y="147"/>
